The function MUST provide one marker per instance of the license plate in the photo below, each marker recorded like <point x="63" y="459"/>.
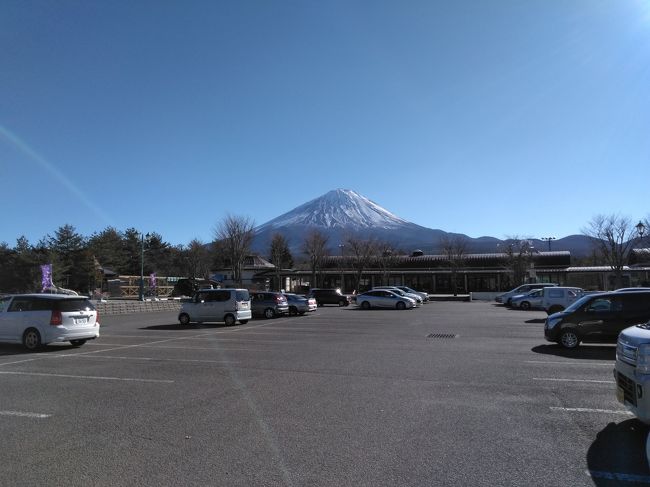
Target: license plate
<point x="620" y="395"/>
<point x="81" y="321"/>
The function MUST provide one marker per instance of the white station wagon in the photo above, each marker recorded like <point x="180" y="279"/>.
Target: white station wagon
<point x="38" y="319"/>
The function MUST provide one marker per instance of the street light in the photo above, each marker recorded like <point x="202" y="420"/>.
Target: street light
<point x="548" y="240"/>
<point x="640" y="229"/>
<point x="141" y="292"/>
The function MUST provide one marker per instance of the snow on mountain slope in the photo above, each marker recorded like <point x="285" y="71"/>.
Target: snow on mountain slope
<point x="339" y="208"/>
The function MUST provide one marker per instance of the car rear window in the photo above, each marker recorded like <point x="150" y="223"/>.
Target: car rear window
<point x="242" y="295"/>
<point x="67" y="305"/>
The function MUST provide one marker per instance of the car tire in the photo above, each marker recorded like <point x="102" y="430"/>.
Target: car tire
<point x="243" y="322"/>
<point x="229" y="320"/>
<point x="184" y="319"/>
<point x="342" y="303"/>
<point x="365" y="305"/>
<point x="525" y="305"/>
<point x="32" y="339"/>
<point x="400" y="305"/>
<point x="301" y="313"/>
<point x="293" y="311"/>
<point x="77" y="343"/>
<point x="269" y="313"/>
<point x="569" y="339"/>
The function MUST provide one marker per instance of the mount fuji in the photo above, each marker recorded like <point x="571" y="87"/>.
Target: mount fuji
<point x="343" y="212"/>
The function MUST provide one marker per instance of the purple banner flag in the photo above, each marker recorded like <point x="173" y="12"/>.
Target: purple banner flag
<point x="46" y="280"/>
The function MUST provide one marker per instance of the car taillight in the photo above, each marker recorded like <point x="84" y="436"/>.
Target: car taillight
<point x="97" y="318"/>
<point x="56" y="319"/>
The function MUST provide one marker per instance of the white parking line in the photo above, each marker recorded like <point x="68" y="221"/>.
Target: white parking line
<point x="153" y="359"/>
<point x="93" y="377"/>
<point x="24" y="414"/>
<point x="590" y="410"/>
<point x="589" y="381"/>
<point x="542" y="362"/>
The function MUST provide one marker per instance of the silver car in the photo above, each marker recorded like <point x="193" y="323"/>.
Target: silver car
<point x="38" y="319"/>
<point x="423" y="295"/>
<point x="415" y="297"/>
<point x="530" y="300"/>
<point x="383" y="298"/>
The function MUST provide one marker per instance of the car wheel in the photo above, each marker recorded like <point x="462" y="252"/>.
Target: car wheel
<point x="32" y="339"/>
<point x="525" y="305"/>
<point x="365" y="305"/>
<point x="301" y="313"/>
<point x="293" y="311"/>
<point x="269" y="313"/>
<point x="569" y="339"/>
<point x="229" y="320"/>
<point x="243" y="322"/>
<point x="77" y="343"/>
<point x="400" y="305"/>
<point x="342" y="302"/>
<point x="184" y="319"/>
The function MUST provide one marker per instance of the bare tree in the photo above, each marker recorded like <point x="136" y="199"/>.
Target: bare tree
<point x="361" y="252"/>
<point x="454" y="248"/>
<point x="280" y="256"/>
<point x="314" y="247"/>
<point x="613" y="237"/>
<point x="519" y="252"/>
<point x="236" y="235"/>
<point x="387" y="256"/>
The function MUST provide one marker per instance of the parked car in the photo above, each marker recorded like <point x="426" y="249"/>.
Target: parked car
<point x="383" y="298"/>
<point x="557" y="298"/>
<point x="524" y="288"/>
<point x="329" y="296"/>
<point x="269" y="304"/>
<point x="422" y="294"/>
<point x="299" y="305"/>
<point x="632" y="370"/>
<point x="210" y="305"/>
<point x="597" y="318"/>
<point x="38" y="319"/>
<point x="632" y="289"/>
<point x="418" y="299"/>
<point x="530" y="300"/>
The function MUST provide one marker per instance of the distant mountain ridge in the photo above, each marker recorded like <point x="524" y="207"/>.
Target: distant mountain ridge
<point x="343" y="212"/>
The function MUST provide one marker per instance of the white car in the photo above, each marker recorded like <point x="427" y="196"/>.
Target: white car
<point x="38" y="319"/>
<point x="423" y="295"/>
<point x="383" y="298"/>
<point x="418" y="299"/>
<point x="227" y="305"/>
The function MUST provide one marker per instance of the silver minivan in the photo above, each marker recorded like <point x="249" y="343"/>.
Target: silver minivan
<point x="38" y="319"/>
<point x="209" y="305"/>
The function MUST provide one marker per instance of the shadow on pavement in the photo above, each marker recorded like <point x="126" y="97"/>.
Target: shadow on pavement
<point x="591" y="352"/>
<point x="178" y="326"/>
<point x="536" y="320"/>
<point x="7" y="350"/>
<point x="618" y="454"/>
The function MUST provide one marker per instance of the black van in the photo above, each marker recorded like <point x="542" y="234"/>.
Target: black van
<point x="597" y="318"/>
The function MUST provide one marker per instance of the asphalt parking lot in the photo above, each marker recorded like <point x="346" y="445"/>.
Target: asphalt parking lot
<point x="447" y="394"/>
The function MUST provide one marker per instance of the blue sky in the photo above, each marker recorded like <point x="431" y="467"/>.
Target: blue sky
<point x="492" y="118"/>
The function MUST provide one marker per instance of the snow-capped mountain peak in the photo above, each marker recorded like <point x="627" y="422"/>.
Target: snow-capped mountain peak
<point x="339" y="208"/>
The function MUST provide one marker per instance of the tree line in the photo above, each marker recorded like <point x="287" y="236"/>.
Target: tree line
<point x="77" y="261"/>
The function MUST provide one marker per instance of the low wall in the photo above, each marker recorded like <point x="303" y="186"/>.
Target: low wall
<point x="120" y="307"/>
<point x="485" y="296"/>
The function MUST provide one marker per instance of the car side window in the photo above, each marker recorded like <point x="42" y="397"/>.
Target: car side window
<point x="20" y="304"/>
<point x="221" y="296"/>
<point x="3" y="303"/>
<point x="599" y="305"/>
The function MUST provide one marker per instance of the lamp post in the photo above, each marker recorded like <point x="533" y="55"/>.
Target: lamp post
<point x="141" y="291"/>
<point x="548" y="240"/>
<point x="640" y="229"/>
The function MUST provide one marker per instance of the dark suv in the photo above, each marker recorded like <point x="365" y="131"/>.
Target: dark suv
<point x="329" y="296"/>
<point x="269" y="304"/>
